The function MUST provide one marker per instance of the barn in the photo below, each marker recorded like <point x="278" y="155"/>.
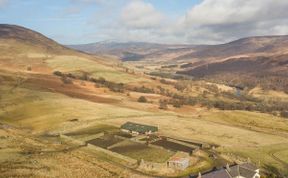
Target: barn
<point x="136" y="128"/>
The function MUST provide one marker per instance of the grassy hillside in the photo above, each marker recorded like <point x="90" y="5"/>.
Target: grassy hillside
<point x="38" y="103"/>
<point x="23" y="49"/>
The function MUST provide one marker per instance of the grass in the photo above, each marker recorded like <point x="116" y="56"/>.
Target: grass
<point x="93" y="130"/>
<point x="250" y="120"/>
<point x="282" y="155"/>
<point x="44" y="111"/>
<point x="269" y="95"/>
<point x="74" y="64"/>
<point x="248" y="134"/>
<point x="139" y="151"/>
<point x="263" y="155"/>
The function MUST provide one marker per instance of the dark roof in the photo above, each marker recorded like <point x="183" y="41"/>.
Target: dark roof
<point x="217" y="174"/>
<point x="246" y="170"/>
<point x="141" y="128"/>
<point x="249" y="166"/>
<point x="233" y="171"/>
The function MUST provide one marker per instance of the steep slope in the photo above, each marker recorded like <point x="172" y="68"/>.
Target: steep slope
<point x="24" y="50"/>
<point x="245" y="46"/>
<point x="12" y="37"/>
<point x="269" y="72"/>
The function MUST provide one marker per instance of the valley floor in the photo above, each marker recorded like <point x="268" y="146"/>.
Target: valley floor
<point x="28" y="111"/>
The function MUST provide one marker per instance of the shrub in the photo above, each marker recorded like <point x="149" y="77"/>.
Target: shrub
<point x="57" y="73"/>
<point x="84" y="76"/>
<point x="142" y="99"/>
<point x="71" y="76"/>
<point x="163" y="104"/>
<point x="284" y="114"/>
<point x="66" y="80"/>
<point x="144" y="89"/>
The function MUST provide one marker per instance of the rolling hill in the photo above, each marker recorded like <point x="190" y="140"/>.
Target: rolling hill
<point x="250" y="62"/>
<point x="130" y="51"/>
<point x="22" y="48"/>
<point x="244" y="46"/>
<point x="37" y="106"/>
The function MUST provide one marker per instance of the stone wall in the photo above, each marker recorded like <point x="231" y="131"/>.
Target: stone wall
<point x="72" y="140"/>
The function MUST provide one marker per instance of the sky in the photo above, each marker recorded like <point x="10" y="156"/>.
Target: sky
<point x="160" y="21"/>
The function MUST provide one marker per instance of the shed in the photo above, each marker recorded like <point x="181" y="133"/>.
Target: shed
<point x="138" y="128"/>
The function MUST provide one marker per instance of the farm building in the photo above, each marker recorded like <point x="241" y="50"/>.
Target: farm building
<point x="178" y="163"/>
<point x="246" y="170"/>
<point x="136" y="128"/>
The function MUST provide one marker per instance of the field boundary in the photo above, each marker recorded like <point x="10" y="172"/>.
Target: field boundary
<point x="78" y="142"/>
<point x="129" y="160"/>
<point x="114" y="154"/>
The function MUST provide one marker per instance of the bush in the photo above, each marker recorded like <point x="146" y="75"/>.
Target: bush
<point x="66" y="80"/>
<point x="284" y="114"/>
<point x="143" y="89"/>
<point x="57" y="73"/>
<point x="163" y="104"/>
<point x="142" y="99"/>
<point x="84" y="76"/>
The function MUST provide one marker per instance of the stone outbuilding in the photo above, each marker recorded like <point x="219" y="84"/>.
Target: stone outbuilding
<point x="178" y="163"/>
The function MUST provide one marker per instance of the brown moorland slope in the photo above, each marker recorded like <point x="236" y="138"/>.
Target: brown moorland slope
<point x="244" y="46"/>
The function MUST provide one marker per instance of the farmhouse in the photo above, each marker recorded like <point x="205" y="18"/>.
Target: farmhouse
<point x="136" y="128"/>
<point x="246" y="170"/>
<point x="178" y="163"/>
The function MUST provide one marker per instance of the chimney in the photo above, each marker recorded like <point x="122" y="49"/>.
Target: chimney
<point x="228" y="167"/>
<point x="248" y="160"/>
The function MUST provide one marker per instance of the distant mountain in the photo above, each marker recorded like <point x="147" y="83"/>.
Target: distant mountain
<point x="126" y="51"/>
<point x="186" y="53"/>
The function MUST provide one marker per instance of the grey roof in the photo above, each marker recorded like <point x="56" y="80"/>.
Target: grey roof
<point x="141" y="128"/>
<point x="249" y="166"/>
<point x="233" y="171"/>
<point x="246" y="170"/>
<point x="217" y="174"/>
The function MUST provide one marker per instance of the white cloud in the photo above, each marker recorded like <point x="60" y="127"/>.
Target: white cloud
<point x="141" y="15"/>
<point x="213" y="12"/>
<point x="209" y="22"/>
<point x="215" y="21"/>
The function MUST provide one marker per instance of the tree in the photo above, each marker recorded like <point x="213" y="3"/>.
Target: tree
<point x="29" y="68"/>
<point x="163" y="104"/>
<point x="58" y="73"/>
<point x="66" y="80"/>
<point x="284" y="114"/>
<point x="142" y="99"/>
